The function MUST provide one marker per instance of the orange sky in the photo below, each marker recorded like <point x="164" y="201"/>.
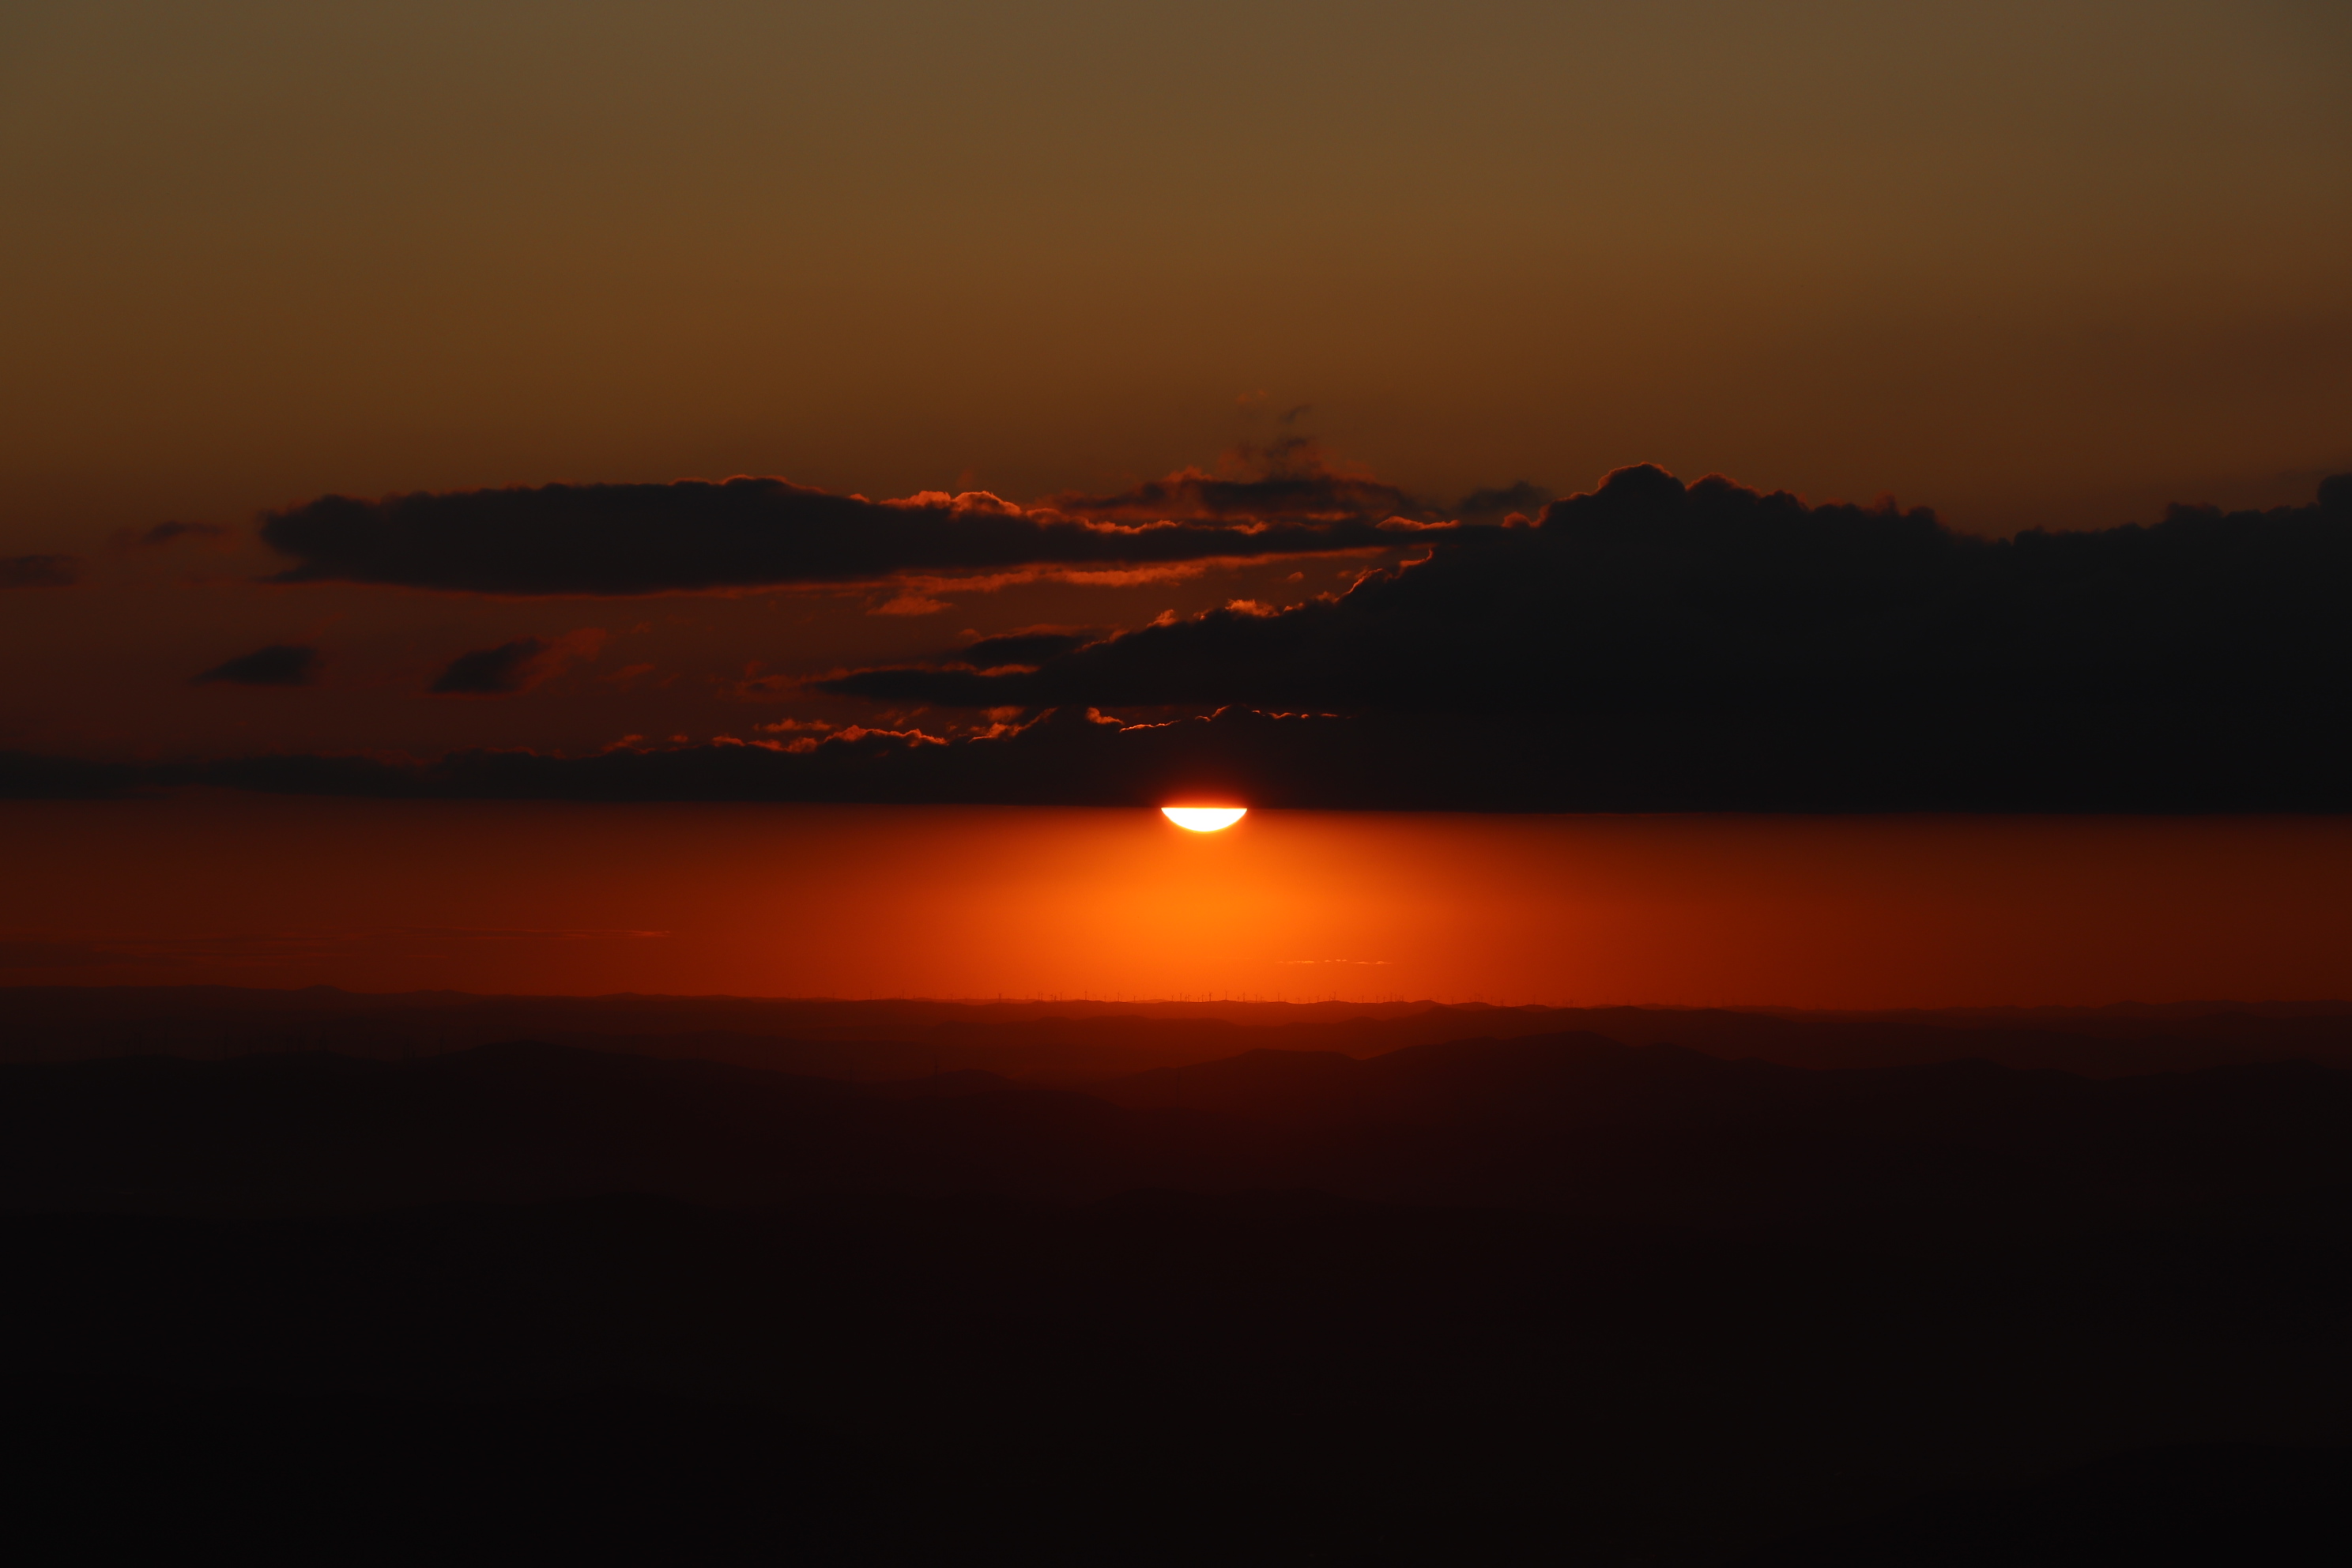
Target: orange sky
<point x="876" y="901"/>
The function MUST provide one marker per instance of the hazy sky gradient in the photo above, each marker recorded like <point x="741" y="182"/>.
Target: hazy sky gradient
<point x="2027" y="263"/>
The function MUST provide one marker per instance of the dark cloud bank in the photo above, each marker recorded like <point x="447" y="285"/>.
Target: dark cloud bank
<point x="1648" y="647"/>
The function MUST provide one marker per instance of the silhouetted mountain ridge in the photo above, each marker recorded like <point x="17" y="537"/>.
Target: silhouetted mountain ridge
<point x="1651" y="1134"/>
<point x="1077" y="1042"/>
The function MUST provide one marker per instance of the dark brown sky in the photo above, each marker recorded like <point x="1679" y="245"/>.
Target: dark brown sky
<point x="2013" y="258"/>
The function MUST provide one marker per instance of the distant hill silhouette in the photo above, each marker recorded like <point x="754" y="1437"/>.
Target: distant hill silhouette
<point x="1372" y="1287"/>
<point x="1074" y="1042"/>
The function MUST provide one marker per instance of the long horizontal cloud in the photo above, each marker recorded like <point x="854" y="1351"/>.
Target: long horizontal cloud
<point x="1712" y="605"/>
<point x="761" y="532"/>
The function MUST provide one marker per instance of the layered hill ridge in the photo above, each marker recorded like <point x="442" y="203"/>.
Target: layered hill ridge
<point x="1571" y="1122"/>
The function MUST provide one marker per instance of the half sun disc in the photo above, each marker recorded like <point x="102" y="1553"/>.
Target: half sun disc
<point x="1205" y="818"/>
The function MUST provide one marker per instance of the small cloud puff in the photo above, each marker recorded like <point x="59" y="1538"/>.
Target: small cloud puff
<point x="514" y="667"/>
<point x="750" y="533"/>
<point x="166" y="534"/>
<point x="279" y="664"/>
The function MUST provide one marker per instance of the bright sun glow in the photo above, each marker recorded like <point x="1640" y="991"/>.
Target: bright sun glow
<point x="1205" y="818"/>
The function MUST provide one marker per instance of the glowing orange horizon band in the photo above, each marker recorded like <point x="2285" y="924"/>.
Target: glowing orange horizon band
<point x="1205" y="818"/>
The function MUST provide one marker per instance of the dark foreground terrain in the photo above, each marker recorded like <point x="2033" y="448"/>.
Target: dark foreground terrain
<point x="1560" y="1297"/>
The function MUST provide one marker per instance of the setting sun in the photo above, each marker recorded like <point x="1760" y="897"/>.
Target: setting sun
<point x="1205" y="818"/>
